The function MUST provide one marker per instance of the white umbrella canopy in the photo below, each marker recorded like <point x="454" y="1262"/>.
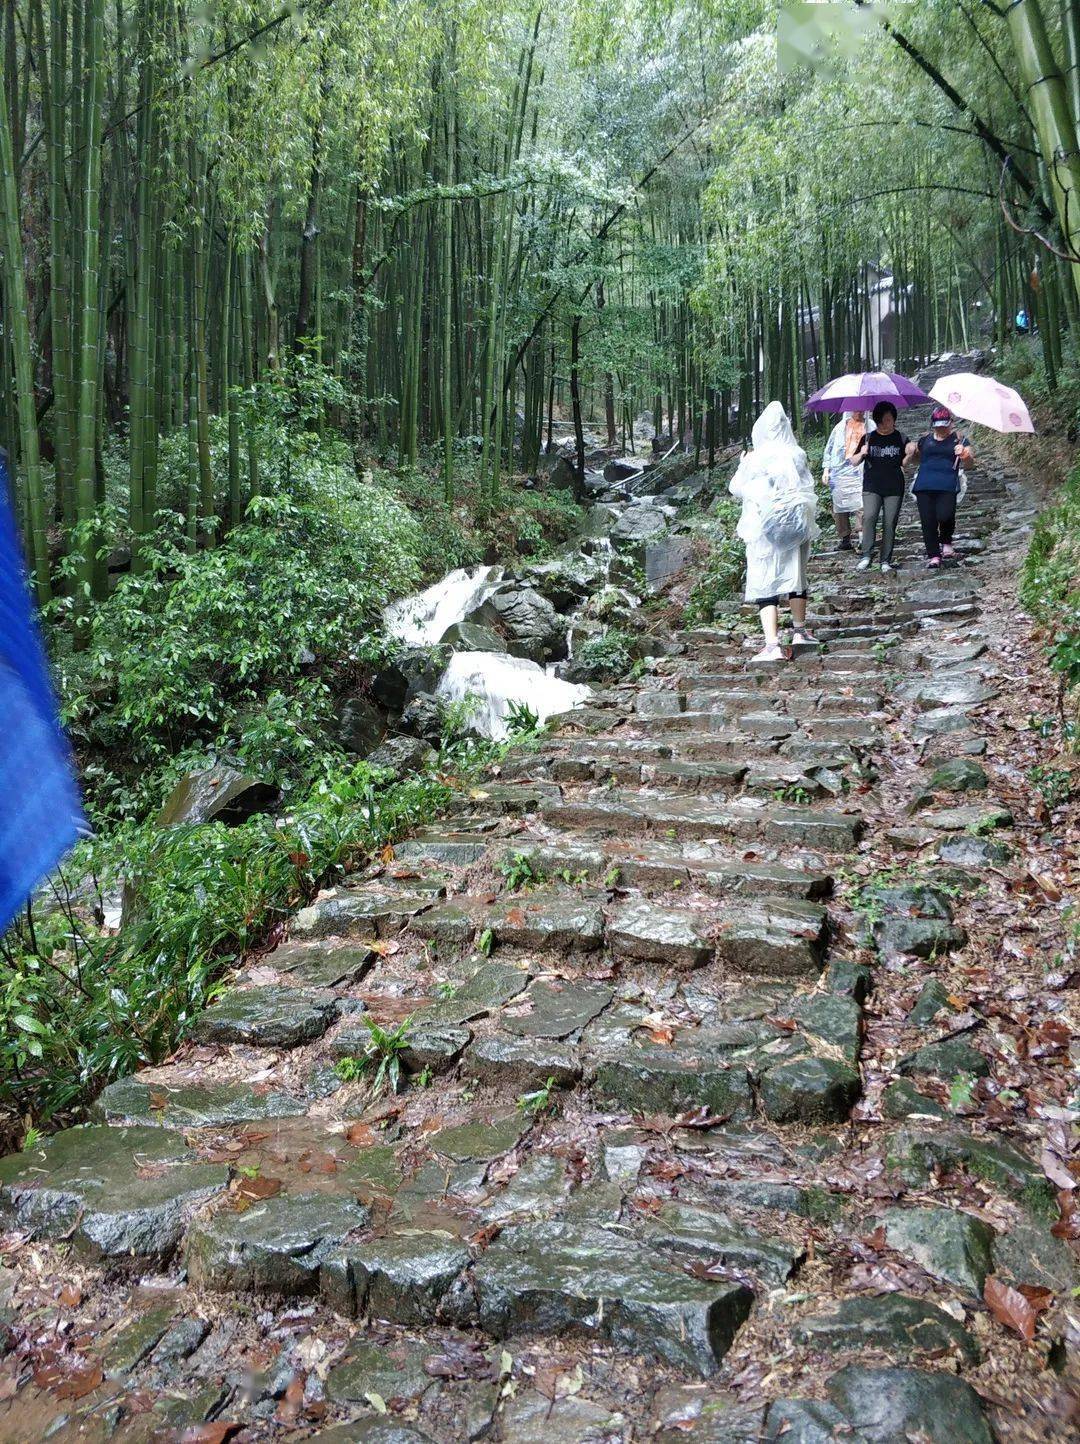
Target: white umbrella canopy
<point x="983" y="400"/>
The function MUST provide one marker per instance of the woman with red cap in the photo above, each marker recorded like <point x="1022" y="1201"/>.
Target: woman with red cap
<point x="941" y="456"/>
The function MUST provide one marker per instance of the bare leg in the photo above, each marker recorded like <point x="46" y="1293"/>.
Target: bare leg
<point x="800" y="637"/>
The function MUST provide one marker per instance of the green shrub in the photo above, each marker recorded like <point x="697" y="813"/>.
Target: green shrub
<point x="78" y="1008"/>
<point x="235" y="649"/>
<point x="1050" y="579"/>
<point x="610" y="655"/>
<point x="724" y="565"/>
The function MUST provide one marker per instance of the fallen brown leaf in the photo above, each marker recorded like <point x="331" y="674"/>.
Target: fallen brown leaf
<point x="208" y="1433"/>
<point x="1039" y="1298"/>
<point x="288" y="1410"/>
<point x="1010" y="1307"/>
<point x="483" y="1236"/>
<point x="313" y="1161"/>
<point x="259" y="1187"/>
<point x="78" y="1383"/>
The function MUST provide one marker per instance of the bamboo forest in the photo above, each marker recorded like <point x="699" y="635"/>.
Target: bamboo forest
<point x="540" y="682"/>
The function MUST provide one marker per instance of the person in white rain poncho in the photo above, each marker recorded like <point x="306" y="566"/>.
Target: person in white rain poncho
<point x="777" y="524"/>
<point x="844" y="476"/>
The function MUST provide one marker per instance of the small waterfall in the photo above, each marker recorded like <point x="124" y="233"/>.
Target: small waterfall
<point x="496" y="680"/>
<point x="422" y="619"/>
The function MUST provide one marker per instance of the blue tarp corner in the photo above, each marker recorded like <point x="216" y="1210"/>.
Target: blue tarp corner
<point x="41" y="815"/>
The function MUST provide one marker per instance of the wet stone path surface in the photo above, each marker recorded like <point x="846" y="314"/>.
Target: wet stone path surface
<point x="682" y="1149"/>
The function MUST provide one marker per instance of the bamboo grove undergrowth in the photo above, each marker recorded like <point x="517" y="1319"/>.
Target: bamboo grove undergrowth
<point x="483" y="220"/>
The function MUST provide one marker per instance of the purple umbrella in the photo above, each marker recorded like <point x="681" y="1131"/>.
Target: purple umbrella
<point x="862" y="390"/>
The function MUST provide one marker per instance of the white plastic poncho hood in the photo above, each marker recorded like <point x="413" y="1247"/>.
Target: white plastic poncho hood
<point x="777" y="466"/>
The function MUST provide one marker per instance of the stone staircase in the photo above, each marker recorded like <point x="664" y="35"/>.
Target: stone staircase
<point x="635" y="1019"/>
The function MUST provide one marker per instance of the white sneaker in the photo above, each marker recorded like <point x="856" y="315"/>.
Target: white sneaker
<point x="863" y="564"/>
<point x="800" y="637"/>
<point x="887" y="567"/>
<point x="770" y="654"/>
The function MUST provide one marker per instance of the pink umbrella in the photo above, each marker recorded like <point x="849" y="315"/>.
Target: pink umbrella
<point x="862" y="390"/>
<point x="983" y="400"/>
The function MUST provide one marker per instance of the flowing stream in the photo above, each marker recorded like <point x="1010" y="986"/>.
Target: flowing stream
<point x="496" y="682"/>
<point x="422" y="619"/>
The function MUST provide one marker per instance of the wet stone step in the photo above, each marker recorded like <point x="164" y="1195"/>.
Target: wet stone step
<point x="370" y="912"/>
<point x="651" y="1078"/>
<point x="607" y="748"/>
<point x="277" y="1246"/>
<point x="319" y="965"/>
<point x="542" y="924"/>
<point x="859" y="731"/>
<point x="681" y="1228"/>
<point x="808" y="674"/>
<point x="721" y="776"/>
<point x="949" y="1245"/>
<point x="510" y="798"/>
<point x="115" y="1193"/>
<point x="659" y="704"/>
<point x="598" y="769"/>
<point x="192" y="1105"/>
<point x="885" y="1405"/>
<point x="761" y="727"/>
<point x="664" y="865"/>
<point x="833" y="756"/>
<point x="799" y="704"/>
<point x="434" y="1047"/>
<point x="391" y="1371"/>
<point x="447" y="849"/>
<point x="560" y="1278"/>
<point x="724" y="743"/>
<point x="900" y="1325"/>
<point x="786" y="940"/>
<point x="266" y="1018"/>
<point x="786" y="782"/>
<point x="402" y="1278"/>
<point x="669" y="936"/>
<point x="556" y="1010"/>
<point x="809" y="1090"/>
<point x="523" y="1063"/>
<point x="488" y="988"/>
<point x="946" y="691"/>
<point x="690" y="818"/>
<point x="916" y="1152"/>
<point x="483" y="1139"/>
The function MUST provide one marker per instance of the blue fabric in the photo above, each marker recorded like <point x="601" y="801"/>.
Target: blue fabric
<point x="937" y="465"/>
<point x="40" y="813"/>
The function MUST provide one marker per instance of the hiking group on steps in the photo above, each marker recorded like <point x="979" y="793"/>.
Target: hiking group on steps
<point x="866" y="469"/>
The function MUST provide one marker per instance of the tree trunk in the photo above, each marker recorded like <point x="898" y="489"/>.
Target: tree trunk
<point x="575" y="402"/>
<point x="309" y="241"/>
<point x="14" y="277"/>
<point x="1054" y="121"/>
<point x="89" y="351"/>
